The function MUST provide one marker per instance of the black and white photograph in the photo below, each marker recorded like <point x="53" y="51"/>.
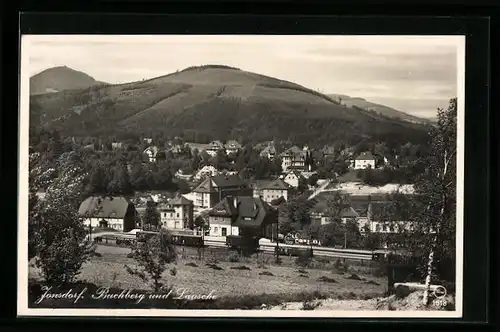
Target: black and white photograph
<point x="241" y="175"/>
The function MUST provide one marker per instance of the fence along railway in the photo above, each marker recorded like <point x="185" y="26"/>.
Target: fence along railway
<point x="262" y="245"/>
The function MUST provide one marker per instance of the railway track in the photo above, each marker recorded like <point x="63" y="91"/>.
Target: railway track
<point x="290" y="249"/>
<point x="323" y="252"/>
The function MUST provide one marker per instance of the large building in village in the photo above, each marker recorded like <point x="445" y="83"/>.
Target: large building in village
<point x="177" y="213"/>
<point x="296" y="158"/>
<point x="365" y="160"/>
<point x="215" y="188"/>
<point x="115" y="212"/>
<point x="369" y="211"/>
<point x="274" y="190"/>
<point x="242" y="216"/>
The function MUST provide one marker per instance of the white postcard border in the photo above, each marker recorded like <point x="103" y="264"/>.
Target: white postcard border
<point x="22" y="250"/>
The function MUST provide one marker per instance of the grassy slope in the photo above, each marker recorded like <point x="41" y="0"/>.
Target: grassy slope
<point x="108" y="271"/>
<point x="382" y="109"/>
<point x="218" y="101"/>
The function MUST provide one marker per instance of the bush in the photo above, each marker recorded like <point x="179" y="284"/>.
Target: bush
<point x="214" y="267"/>
<point x="310" y="305"/>
<point x="243" y="267"/>
<point x="152" y="258"/>
<point x="233" y="257"/>
<point x="305" y="258"/>
<point x="327" y="279"/>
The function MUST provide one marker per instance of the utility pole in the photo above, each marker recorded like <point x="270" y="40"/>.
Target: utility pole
<point x="90" y="231"/>
<point x="277" y="239"/>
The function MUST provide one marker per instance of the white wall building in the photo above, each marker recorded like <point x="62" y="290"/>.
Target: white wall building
<point x="365" y="160"/>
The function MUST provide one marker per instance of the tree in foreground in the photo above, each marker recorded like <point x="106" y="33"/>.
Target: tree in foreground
<point x="151" y="219"/>
<point x="426" y="222"/>
<point x="57" y="231"/>
<point x="153" y="256"/>
<point x="437" y="194"/>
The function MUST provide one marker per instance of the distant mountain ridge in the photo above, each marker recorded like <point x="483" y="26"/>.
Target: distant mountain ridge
<point x="60" y="78"/>
<point x="381" y="109"/>
<point x="214" y="102"/>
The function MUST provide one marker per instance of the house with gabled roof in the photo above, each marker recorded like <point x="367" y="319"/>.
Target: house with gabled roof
<point x="273" y="190"/>
<point x="365" y="160"/>
<point x="293" y="178"/>
<point x="242" y="216"/>
<point x="232" y="147"/>
<point x="384" y="219"/>
<point x="268" y="152"/>
<point x="151" y="152"/>
<point x="177" y="213"/>
<point x="214" y="147"/>
<point x="115" y="212"/>
<point x="297" y="159"/>
<point x="214" y="188"/>
<point x="328" y="151"/>
<point x="320" y="210"/>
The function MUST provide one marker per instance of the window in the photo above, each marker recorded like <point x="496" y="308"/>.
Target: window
<point x="216" y="229"/>
<point x="224" y="231"/>
<point x="177" y="215"/>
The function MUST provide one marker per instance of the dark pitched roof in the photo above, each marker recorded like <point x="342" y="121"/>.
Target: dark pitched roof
<point x="365" y="156"/>
<point x="321" y="205"/>
<point x="278" y="184"/>
<point x="259" y="184"/>
<point x="181" y="200"/>
<point x="215" y="145"/>
<point x="205" y="186"/>
<point x="244" y="211"/>
<point x="104" y="207"/>
<point x="232" y="144"/>
<point x="294" y="172"/>
<point x="220" y="181"/>
<point x="293" y="151"/>
<point x="385" y="211"/>
<point x="269" y="150"/>
<point x="228" y="180"/>
<point x="224" y="208"/>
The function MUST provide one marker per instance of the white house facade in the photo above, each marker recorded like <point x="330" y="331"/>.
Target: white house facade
<point x="177" y="214"/>
<point x="151" y="153"/>
<point x="292" y="179"/>
<point x="365" y="160"/>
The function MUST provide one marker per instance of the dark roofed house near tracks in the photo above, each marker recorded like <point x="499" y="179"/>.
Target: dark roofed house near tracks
<point x="213" y="189"/>
<point x="242" y="216"/>
<point x="273" y="190"/>
<point x="115" y="212"/>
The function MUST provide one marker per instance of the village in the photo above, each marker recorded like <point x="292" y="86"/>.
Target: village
<point x="221" y="204"/>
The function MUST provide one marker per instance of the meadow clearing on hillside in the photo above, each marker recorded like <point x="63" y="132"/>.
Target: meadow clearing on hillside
<point x="228" y="279"/>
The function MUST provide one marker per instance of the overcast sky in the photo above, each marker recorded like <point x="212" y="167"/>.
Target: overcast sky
<point x="413" y="74"/>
